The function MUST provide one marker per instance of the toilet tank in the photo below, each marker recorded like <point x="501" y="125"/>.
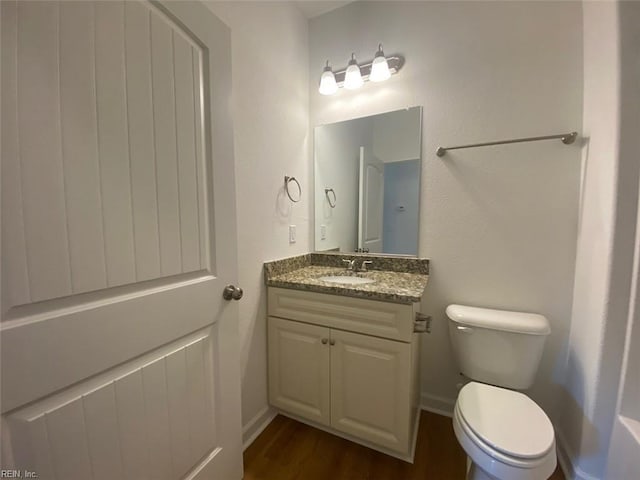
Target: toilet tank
<point x="498" y="347"/>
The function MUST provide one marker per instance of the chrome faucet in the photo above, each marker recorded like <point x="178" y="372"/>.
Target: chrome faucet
<point x="350" y="264"/>
<point x="363" y="265"/>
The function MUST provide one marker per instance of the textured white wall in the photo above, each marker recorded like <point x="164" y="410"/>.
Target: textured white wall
<point x="499" y="224"/>
<point x="271" y="139"/>
<point x="578" y="432"/>
<point x="629" y="15"/>
<point x="606" y="237"/>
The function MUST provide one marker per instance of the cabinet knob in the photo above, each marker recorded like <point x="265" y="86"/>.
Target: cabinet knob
<point x="324" y="341"/>
<point x="332" y="342"/>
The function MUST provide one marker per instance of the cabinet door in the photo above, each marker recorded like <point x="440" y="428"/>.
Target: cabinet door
<point x="370" y="388"/>
<point x="299" y="369"/>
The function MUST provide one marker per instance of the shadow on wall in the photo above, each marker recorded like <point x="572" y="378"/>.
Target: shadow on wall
<point x="284" y="205"/>
<point x="576" y="432"/>
<point x="254" y="352"/>
<point x="438" y="366"/>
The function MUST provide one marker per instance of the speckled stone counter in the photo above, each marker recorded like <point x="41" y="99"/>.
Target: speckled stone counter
<point x="397" y="279"/>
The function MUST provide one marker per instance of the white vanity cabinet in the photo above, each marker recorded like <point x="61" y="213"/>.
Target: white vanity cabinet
<point x="347" y="365"/>
<point x="299" y="369"/>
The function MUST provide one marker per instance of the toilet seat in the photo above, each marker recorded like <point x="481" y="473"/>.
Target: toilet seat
<point x="505" y="422"/>
<point x="510" y="461"/>
<point x="487" y="449"/>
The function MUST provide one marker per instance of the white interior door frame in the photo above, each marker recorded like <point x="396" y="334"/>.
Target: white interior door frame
<point x="370" y="201"/>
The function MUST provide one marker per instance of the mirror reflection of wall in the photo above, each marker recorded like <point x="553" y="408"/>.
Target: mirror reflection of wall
<point x="367" y="183"/>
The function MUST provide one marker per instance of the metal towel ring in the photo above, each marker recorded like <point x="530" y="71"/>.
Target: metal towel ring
<point x="288" y="180"/>
<point x="335" y="198"/>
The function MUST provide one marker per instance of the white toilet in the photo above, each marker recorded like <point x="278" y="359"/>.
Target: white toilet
<point x="505" y="434"/>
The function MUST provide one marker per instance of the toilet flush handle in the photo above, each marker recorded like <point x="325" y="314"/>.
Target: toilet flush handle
<point x="462" y="329"/>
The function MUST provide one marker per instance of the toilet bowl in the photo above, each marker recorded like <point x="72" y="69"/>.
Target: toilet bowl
<point x="505" y="434"/>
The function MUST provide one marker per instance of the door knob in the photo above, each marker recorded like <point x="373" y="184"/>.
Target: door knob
<point x="232" y="292"/>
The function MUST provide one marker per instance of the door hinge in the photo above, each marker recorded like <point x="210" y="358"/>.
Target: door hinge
<point x="422" y="323"/>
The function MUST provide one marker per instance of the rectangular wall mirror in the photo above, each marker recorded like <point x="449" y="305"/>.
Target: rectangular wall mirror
<point x="367" y="183"/>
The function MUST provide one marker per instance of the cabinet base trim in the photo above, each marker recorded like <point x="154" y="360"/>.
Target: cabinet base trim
<point x="408" y="457"/>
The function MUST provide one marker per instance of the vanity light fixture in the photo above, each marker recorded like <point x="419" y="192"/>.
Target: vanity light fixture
<point x="354" y="76"/>
<point x="328" y="85"/>
<point x="379" y="67"/>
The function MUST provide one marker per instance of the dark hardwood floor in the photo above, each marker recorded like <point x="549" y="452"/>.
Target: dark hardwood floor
<point x="290" y="450"/>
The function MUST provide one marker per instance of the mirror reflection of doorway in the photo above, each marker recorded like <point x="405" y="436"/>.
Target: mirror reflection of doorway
<point x="372" y="166"/>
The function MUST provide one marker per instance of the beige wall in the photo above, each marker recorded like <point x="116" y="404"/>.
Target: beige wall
<point x="271" y="116"/>
<point x="499" y="224"/>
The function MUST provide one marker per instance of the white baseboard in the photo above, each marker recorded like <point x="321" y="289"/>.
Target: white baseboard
<point x="435" y="404"/>
<point x="566" y="460"/>
<point x="256" y="425"/>
<point x="563" y="457"/>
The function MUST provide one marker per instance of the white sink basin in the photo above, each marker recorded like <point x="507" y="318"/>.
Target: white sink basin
<point x="346" y="280"/>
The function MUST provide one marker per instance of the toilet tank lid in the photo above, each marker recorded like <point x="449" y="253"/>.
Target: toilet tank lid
<point x="517" y="322"/>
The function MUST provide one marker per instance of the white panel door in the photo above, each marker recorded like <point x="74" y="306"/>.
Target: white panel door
<point x="119" y="354"/>
<point x="370" y="388"/>
<point x="371" y="202"/>
<point x="299" y="369"/>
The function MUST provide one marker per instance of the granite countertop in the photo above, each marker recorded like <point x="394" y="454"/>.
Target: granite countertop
<point x="303" y="272"/>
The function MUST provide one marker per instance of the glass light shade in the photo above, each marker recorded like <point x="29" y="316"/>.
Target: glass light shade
<point x="379" y="69"/>
<point x="328" y="85"/>
<point x="353" y="78"/>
